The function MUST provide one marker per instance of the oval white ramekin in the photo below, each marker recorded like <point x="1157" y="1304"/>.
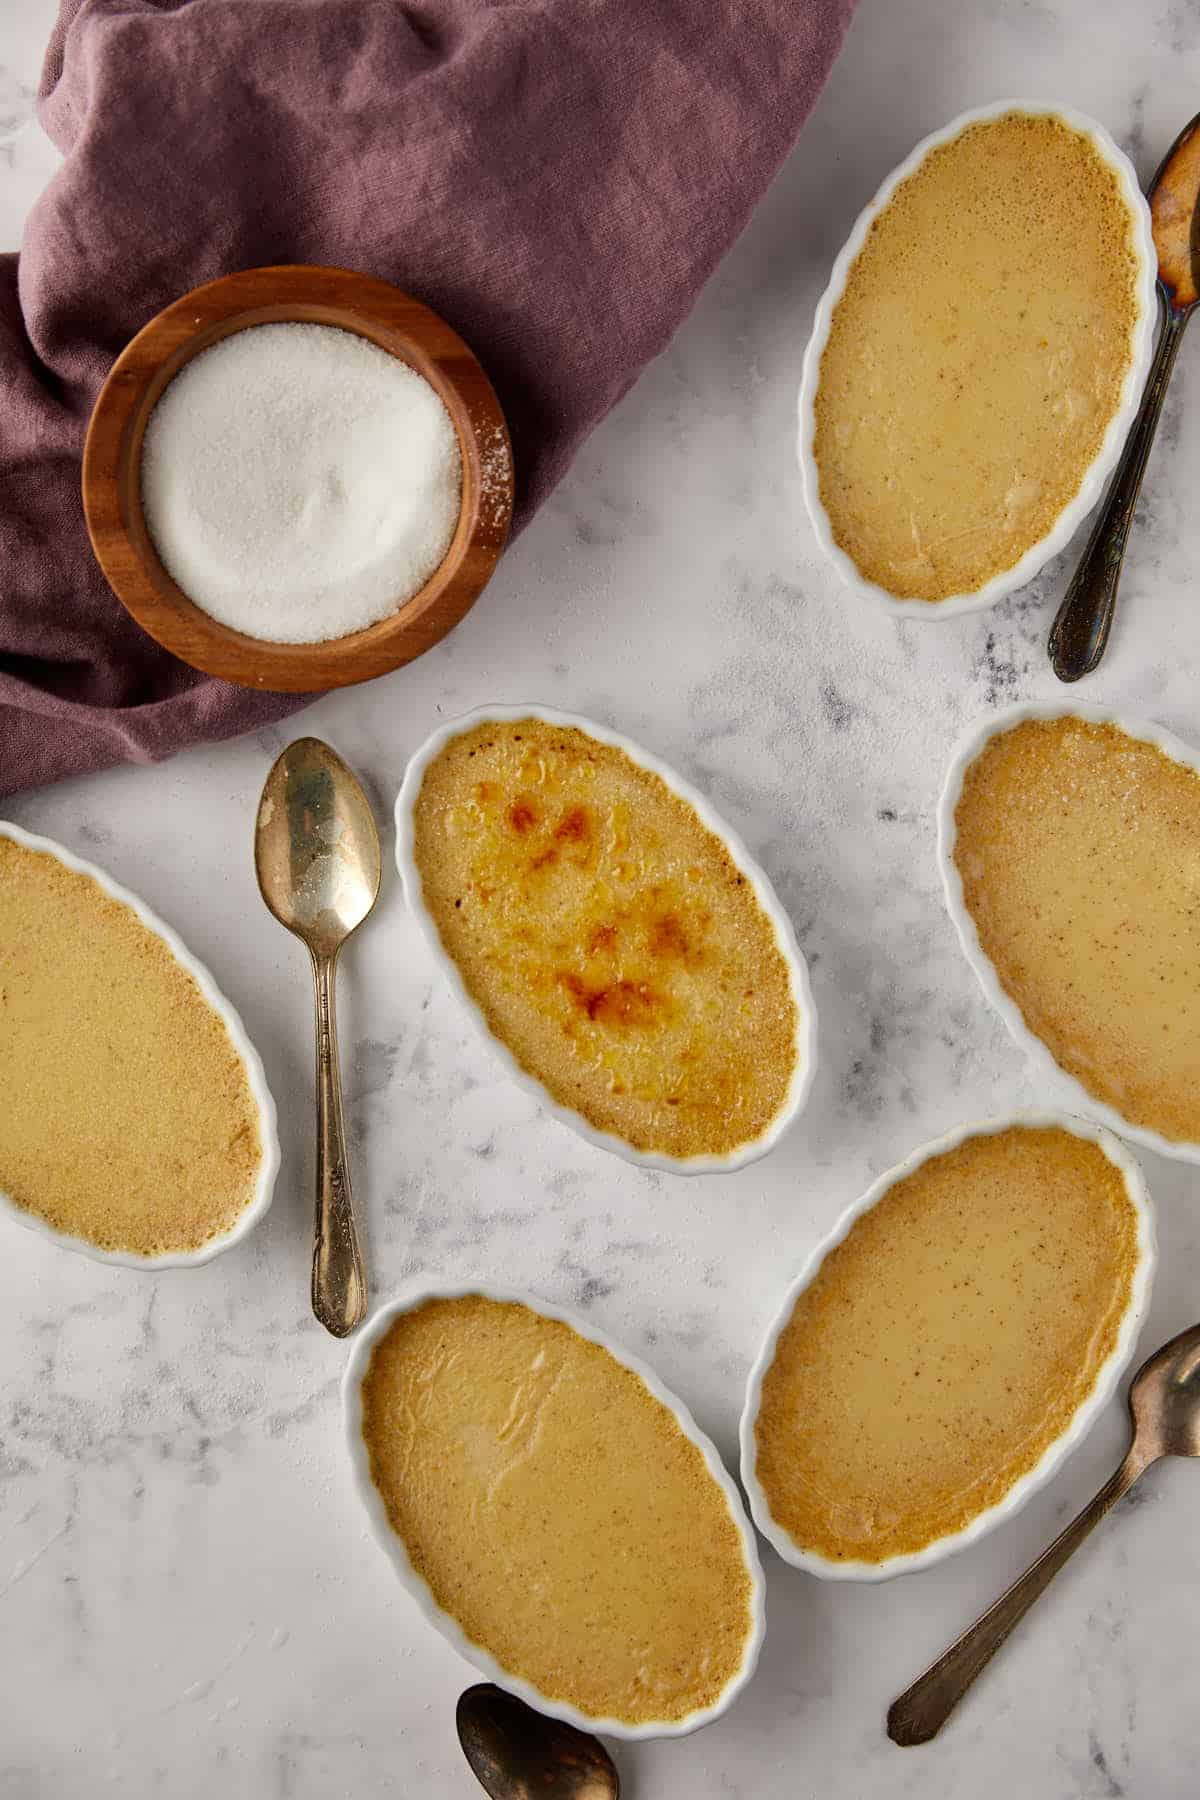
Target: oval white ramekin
<point x="251" y="1062"/>
<point x="1097" y="472"/>
<point x="1081" y="1421"/>
<point x="393" y="1548"/>
<point x="764" y="893"/>
<point x="1072" y="1089"/>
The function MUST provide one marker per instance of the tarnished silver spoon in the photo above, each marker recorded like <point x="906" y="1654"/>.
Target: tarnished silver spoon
<point x="1164" y="1399"/>
<point x="316" y="852"/>
<point x="1079" y="635"/>
<point x="519" y="1754"/>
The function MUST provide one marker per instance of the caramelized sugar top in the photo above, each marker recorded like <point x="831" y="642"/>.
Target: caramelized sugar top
<point x="608" y="936"/>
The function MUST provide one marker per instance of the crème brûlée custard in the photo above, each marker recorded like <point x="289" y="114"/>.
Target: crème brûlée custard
<point x="1078" y="846"/>
<point x="557" y="1510"/>
<point x="976" y="356"/>
<point x="128" y="1120"/>
<point x="946" y="1343"/>
<point x="608" y="936"/>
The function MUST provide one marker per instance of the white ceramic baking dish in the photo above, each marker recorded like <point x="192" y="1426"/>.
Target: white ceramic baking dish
<point x="785" y="937"/>
<point x="1074" y="1093"/>
<point x="1081" y="1421"/>
<point x="393" y="1546"/>
<point x="1141" y="350"/>
<point x="251" y="1061"/>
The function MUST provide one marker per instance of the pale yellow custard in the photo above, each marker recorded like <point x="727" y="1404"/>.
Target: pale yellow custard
<point x="608" y="937"/>
<point x="557" y="1510"/>
<point x="1079" y="852"/>
<point x="127" y="1117"/>
<point x="945" y="1343"/>
<point x="976" y="356"/>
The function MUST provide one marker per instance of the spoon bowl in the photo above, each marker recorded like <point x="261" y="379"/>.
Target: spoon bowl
<point x="1164" y="1399"/>
<point x="316" y="849"/>
<point x="316" y="853"/>
<point x="1174" y="218"/>
<point x="1079" y="635"/>
<point x="519" y="1754"/>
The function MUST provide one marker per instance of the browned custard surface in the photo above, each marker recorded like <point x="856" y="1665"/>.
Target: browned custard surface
<point x="1079" y="852"/>
<point x="557" y="1510"/>
<point x="945" y="1343"/>
<point x="608" y="937"/>
<point x="127" y="1118"/>
<point x="976" y="356"/>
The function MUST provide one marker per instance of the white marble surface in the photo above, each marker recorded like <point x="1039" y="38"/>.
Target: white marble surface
<point x="188" y="1603"/>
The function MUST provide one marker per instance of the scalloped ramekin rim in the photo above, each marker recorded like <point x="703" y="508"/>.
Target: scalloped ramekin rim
<point x="785" y="937"/>
<point x="1105" y="1385"/>
<point x="416" y="1294"/>
<point x="264" y="1189"/>
<point x="1069" y="1086"/>
<point x="1097" y="472"/>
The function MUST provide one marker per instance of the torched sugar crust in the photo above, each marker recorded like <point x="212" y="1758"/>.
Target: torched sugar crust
<point x="607" y="936"/>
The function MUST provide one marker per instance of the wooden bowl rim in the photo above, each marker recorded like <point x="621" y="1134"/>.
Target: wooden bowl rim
<point x="385" y="315"/>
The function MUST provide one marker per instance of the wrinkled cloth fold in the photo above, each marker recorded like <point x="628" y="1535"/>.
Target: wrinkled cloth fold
<point x="557" y="177"/>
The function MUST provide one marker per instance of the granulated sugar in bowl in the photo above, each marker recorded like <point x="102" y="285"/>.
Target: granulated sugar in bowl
<point x="299" y="483"/>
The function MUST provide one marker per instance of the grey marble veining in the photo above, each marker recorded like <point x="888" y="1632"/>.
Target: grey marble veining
<point x="188" y="1601"/>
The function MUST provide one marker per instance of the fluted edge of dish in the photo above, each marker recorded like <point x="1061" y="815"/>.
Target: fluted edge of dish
<point x="1082" y="1420"/>
<point x="1102" y="465"/>
<point x="389" y="1541"/>
<point x="785" y="937"/>
<point x="256" y="1208"/>
<point x="1045" y="1066"/>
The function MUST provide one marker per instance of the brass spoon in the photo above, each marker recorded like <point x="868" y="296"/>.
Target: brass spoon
<point x="519" y="1754"/>
<point x="316" y="852"/>
<point x="1079" y="635"/>
<point x="1164" y="1399"/>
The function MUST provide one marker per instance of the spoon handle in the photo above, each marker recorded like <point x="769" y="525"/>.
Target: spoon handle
<point x="339" y="1282"/>
<point x="1079" y="635"/>
<point x="923" y="1709"/>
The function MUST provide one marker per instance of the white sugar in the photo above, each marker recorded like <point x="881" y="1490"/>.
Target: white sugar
<point x="300" y="483"/>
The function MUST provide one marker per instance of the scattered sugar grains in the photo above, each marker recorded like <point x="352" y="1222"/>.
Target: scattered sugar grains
<point x="299" y="483"/>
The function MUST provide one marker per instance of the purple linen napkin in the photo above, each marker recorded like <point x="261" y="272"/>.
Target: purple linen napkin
<point x="557" y="177"/>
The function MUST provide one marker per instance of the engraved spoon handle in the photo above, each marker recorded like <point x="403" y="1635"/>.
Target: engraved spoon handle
<point x="1079" y="635"/>
<point x="339" y="1283"/>
<point x="922" y="1710"/>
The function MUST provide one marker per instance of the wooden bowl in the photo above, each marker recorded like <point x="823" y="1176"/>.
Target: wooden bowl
<point x="112" y="498"/>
